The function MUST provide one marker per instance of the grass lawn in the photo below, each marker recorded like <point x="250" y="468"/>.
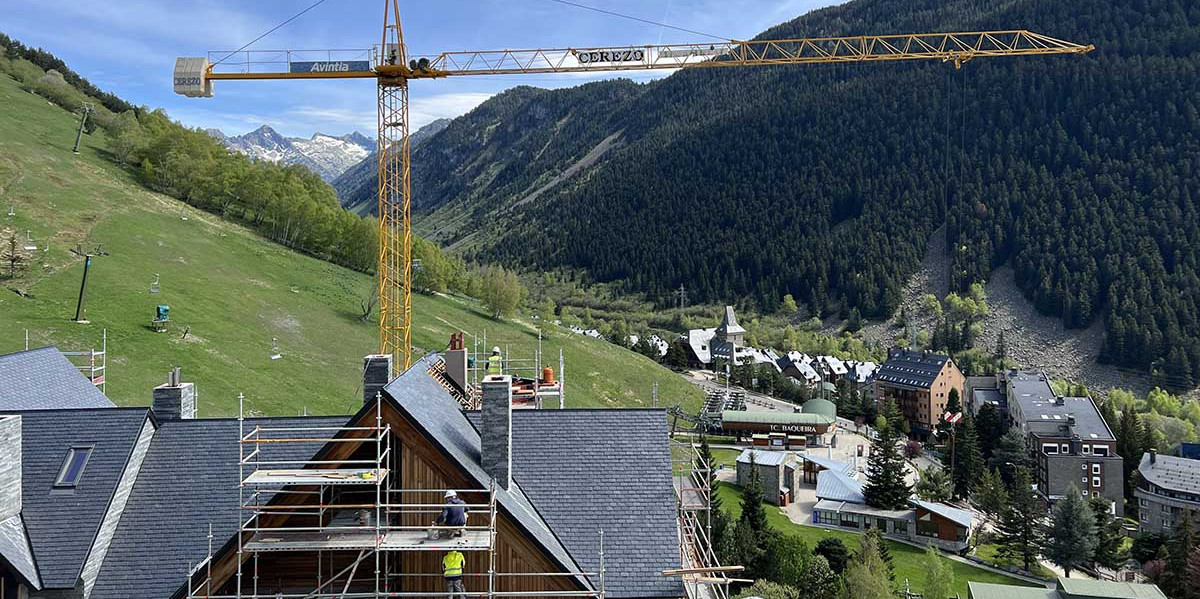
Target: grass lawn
<point x="907" y="560"/>
<point x="230" y="289"/>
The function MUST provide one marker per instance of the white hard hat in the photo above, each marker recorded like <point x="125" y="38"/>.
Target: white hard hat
<point x="496" y="350"/>
<point x="450" y="494"/>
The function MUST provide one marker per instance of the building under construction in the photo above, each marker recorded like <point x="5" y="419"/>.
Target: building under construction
<point x="154" y="502"/>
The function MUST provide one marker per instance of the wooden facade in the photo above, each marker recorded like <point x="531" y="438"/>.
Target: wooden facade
<point x="416" y="463"/>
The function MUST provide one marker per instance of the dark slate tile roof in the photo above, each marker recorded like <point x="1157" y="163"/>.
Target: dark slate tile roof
<point x="427" y="404"/>
<point x="62" y="523"/>
<point x="912" y="369"/>
<point x="1173" y="473"/>
<point x="188" y="480"/>
<point x="15" y="551"/>
<point x="43" y="379"/>
<point x="602" y="468"/>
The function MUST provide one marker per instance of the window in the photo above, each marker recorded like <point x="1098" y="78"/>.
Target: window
<point x="1100" y="450"/>
<point x="1083" y="466"/>
<point x="1095" y="481"/>
<point x="72" y="467"/>
<point x="1143" y="503"/>
<point x="1050" y="448"/>
<point x="1064" y="448"/>
<point x="1095" y="468"/>
<point x="1087" y="449"/>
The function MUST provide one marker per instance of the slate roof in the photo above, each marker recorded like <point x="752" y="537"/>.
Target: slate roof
<point x="953" y="514"/>
<point x="62" y="523"/>
<point x="43" y="379"/>
<point x="911" y="369"/>
<point x="1038" y="406"/>
<point x="15" y="551"/>
<point x="429" y="406"/>
<point x="188" y="480"/>
<point x="764" y="458"/>
<point x="837" y="486"/>
<point x="604" y="468"/>
<point x="700" y="340"/>
<point x="729" y="324"/>
<point x="1169" y="472"/>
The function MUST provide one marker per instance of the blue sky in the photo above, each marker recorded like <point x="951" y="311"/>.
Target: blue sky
<point x="129" y="47"/>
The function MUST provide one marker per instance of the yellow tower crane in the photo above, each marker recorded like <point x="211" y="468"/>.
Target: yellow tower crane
<point x="391" y="66"/>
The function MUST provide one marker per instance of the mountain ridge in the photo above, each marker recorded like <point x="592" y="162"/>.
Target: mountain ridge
<point x="326" y="155"/>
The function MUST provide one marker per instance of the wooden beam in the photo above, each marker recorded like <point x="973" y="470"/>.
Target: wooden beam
<point x="704" y="570"/>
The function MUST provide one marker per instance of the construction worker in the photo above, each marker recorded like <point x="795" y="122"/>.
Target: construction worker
<point x="454" y="514"/>
<point x="494" y="362"/>
<point x="452" y="571"/>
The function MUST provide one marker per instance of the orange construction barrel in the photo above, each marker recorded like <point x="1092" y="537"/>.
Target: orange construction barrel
<point x="548" y="376"/>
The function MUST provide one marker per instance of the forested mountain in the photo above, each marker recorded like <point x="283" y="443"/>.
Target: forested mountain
<point x="826" y="181"/>
<point x="356" y="186"/>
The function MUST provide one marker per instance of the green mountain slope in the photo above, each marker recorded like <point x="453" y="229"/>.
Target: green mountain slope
<point x="230" y="289"/>
<point x="826" y="181"/>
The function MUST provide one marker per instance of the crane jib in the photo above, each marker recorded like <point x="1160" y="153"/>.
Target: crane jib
<point x="630" y="55"/>
<point x="329" y="66"/>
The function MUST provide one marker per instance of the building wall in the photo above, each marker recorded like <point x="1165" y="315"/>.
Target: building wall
<point x="1157" y="513"/>
<point x="770" y="476"/>
<point x="10" y="467"/>
<point x="1056" y="473"/>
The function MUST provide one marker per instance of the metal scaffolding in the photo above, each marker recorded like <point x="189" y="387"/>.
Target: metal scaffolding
<point x="354" y="505"/>
<point x="91" y="363"/>
<point x="703" y="575"/>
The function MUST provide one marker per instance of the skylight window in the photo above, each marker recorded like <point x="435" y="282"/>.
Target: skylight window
<point x="72" y="467"/>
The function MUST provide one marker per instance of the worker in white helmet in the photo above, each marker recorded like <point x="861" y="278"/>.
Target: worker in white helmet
<point x="494" y="365"/>
<point x="454" y="514"/>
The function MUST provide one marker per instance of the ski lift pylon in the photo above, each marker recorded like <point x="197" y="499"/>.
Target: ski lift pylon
<point x="275" y="354"/>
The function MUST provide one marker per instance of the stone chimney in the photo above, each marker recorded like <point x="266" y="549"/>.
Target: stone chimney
<point x="456" y="361"/>
<point x="496" y="433"/>
<point x="175" y="400"/>
<point x="1153" y="457"/>
<point x="377" y="373"/>
<point x="10" y="466"/>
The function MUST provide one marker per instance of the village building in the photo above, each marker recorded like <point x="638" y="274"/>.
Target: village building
<point x="1168" y="490"/>
<point x="1070" y="442"/>
<point x="842" y="504"/>
<point x="783" y="430"/>
<point x="814" y="465"/>
<point x="919" y="383"/>
<point x="776" y="472"/>
<point x="100" y="502"/>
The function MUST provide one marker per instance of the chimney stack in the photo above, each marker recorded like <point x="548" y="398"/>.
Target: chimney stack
<point x="456" y="361"/>
<point x="176" y="400"/>
<point x="377" y="373"/>
<point x="1153" y="456"/>
<point x="496" y="436"/>
<point x="10" y="466"/>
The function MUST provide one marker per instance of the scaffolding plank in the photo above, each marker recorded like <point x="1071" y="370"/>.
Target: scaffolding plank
<point x="392" y="540"/>
<point x="316" y="476"/>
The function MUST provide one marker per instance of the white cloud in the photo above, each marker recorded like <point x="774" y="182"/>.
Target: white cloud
<point x="422" y="111"/>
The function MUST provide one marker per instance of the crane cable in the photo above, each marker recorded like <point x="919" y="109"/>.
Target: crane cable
<point x="272" y="30"/>
<point x="639" y="19"/>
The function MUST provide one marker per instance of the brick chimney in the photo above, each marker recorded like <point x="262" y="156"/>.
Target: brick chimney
<point x="377" y="373"/>
<point x="496" y="433"/>
<point x="176" y="400"/>
<point x="10" y="466"/>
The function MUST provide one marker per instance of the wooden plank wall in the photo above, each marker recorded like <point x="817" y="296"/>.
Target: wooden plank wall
<point x="417" y="465"/>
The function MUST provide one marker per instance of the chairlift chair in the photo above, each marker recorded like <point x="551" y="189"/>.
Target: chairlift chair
<point x="154" y="287"/>
<point x="275" y="354"/>
<point x="12" y="210"/>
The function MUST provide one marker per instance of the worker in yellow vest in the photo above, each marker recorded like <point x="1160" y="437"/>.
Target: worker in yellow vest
<point x="494" y="362"/>
<point x="452" y="571"/>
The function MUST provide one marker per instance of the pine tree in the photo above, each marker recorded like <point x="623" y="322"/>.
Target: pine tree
<point x="885" y="550"/>
<point x="753" y="512"/>
<point x="1179" y="550"/>
<point x="752" y="534"/>
<point x="1110" y="538"/>
<point x="13" y="254"/>
<point x="934" y="485"/>
<point x="835" y="553"/>
<point x="991" y="498"/>
<point x="1071" y="539"/>
<point x="820" y="581"/>
<point x="939" y="576"/>
<point x="718" y="518"/>
<point x="886" y="486"/>
<point x="1020" y="530"/>
<point x="866" y="576"/>
<point x="969" y="465"/>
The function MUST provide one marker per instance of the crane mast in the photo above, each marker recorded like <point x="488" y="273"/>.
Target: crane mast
<point x="391" y="66"/>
